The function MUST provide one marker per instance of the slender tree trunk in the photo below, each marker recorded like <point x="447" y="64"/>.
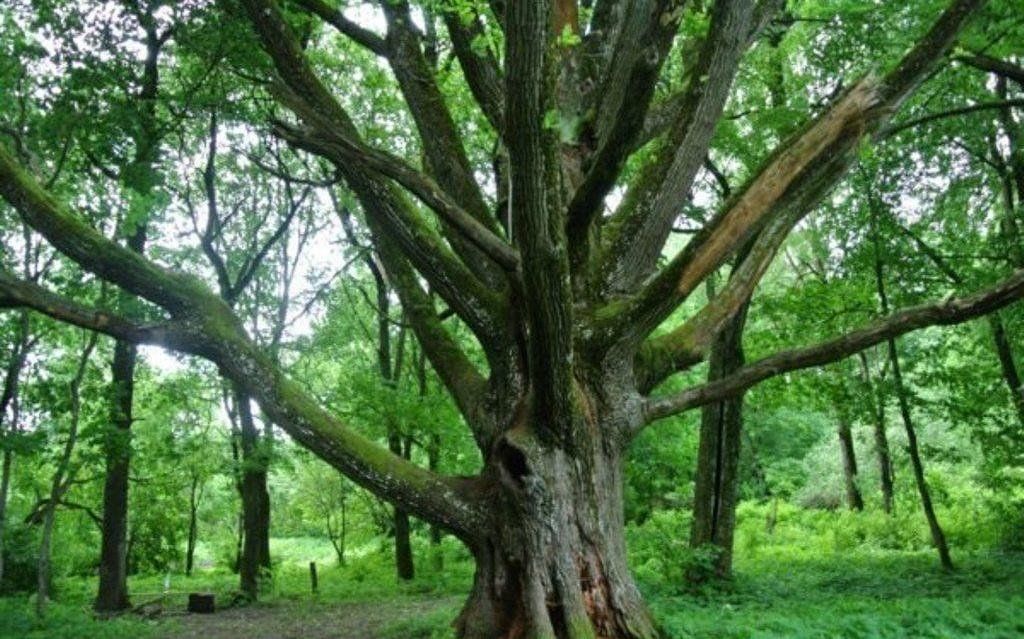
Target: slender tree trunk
<point x="849" y="457"/>
<point x="338" y="536"/>
<point x="881" y="437"/>
<point x="938" y="537"/>
<point x="255" y="558"/>
<point x="433" y="463"/>
<point x="43" y="564"/>
<point x="9" y="414"/>
<point x="62" y="477"/>
<point x="112" y="595"/>
<point x="239" y="538"/>
<point x="717" y="479"/>
<point x="113" y="569"/>
<point x="5" y="483"/>
<point x="193" y="525"/>
<point x="404" y="564"/>
<point x="1008" y="364"/>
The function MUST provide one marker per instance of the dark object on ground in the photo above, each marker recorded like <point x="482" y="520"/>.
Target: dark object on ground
<point x="201" y="602"/>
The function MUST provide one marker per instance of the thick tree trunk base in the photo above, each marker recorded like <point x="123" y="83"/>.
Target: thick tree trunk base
<point x="554" y="566"/>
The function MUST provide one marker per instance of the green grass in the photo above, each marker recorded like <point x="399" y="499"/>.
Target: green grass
<point x="862" y="594"/>
<point x="787" y="586"/>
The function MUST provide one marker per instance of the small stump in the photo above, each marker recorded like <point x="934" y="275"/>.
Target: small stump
<point x="200" y="602"/>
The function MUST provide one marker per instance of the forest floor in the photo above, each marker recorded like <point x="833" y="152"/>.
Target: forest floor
<point x="291" y="620"/>
<point x="778" y="593"/>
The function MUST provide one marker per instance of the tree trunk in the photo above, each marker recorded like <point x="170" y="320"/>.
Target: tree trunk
<point x="938" y="537"/>
<point x="254" y="563"/>
<point x="877" y="403"/>
<point x="433" y="462"/>
<point x="5" y="483"/>
<point x="193" y="508"/>
<point x="62" y="477"/>
<point x="849" y="456"/>
<point x="1008" y="364"/>
<point x="9" y="418"/>
<point x="113" y="569"/>
<point x="716" y="483"/>
<point x="553" y="563"/>
<point x="43" y="564"/>
<point x="404" y="564"/>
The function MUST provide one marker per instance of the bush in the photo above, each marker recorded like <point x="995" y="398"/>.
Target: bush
<point x="660" y="553"/>
<point x="21" y="556"/>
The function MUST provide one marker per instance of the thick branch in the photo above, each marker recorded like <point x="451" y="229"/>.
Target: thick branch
<point x="864" y="109"/>
<point x="453" y="281"/>
<point x="950" y="311"/>
<point x="336" y="18"/>
<point x="420" y="185"/>
<point x="441" y="142"/>
<point x="480" y="68"/>
<point x="688" y="344"/>
<point x="174" y="292"/>
<point x="640" y="53"/>
<point x="19" y="293"/>
<point x="642" y="224"/>
<point x="832" y="134"/>
<point x="211" y="330"/>
<point x="537" y="226"/>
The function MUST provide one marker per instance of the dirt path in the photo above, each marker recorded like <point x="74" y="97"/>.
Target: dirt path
<point x="303" y="620"/>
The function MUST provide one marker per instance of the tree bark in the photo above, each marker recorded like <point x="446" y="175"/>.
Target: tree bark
<point x="716" y="484"/>
<point x="552" y="561"/>
<point x="877" y="404"/>
<point x="1008" y="364"/>
<point x="112" y="595"/>
<point x="404" y="564"/>
<point x="5" y="483"/>
<point x="254" y="561"/>
<point x="193" y="525"/>
<point x="849" y="457"/>
<point x="938" y="537"/>
<point x="9" y="417"/>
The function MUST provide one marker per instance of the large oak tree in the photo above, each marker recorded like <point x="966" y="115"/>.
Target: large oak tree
<point x="562" y="288"/>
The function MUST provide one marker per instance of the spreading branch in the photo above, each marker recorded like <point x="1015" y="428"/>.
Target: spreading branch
<point x="19" y="293"/>
<point x="948" y="312"/>
<point x="210" y="329"/>
<point x="860" y="111"/>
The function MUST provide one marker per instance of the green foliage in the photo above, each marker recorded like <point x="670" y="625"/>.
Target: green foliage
<point x="20" y="560"/>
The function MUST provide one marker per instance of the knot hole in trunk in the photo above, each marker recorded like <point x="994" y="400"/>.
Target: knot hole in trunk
<point x="513" y="460"/>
